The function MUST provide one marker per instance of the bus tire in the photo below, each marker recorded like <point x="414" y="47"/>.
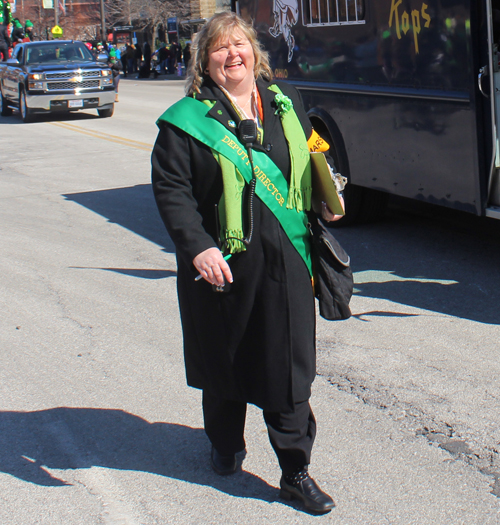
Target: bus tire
<point x="372" y="204"/>
<point x="362" y="204"/>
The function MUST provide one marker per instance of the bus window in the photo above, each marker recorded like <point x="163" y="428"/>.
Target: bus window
<point x="332" y="12"/>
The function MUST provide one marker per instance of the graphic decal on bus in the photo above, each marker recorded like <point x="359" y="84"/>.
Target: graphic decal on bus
<point x="405" y="21"/>
<point x="316" y="13"/>
<point x="286" y="14"/>
<point x="322" y="13"/>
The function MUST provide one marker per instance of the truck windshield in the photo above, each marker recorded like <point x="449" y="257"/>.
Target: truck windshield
<point x="53" y="54"/>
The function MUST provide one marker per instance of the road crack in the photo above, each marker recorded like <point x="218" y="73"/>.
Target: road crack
<point x="485" y="459"/>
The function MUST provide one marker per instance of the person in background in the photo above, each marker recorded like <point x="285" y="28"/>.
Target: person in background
<point x="146" y="51"/>
<point x="244" y="279"/>
<point x="4" y="42"/>
<point x="125" y="59"/>
<point x="17" y="35"/>
<point x="116" y="67"/>
<point x="167" y="62"/>
<point x="179" y="59"/>
<point x="132" y="67"/>
<point x="174" y="46"/>
<point x="28" y="31"/>
<point x="137" y="57"/>
<point x="155" y="61"/>
<point x="162" y="57"/>
<point x="187" y="55"/>
<point x="5" y="20"/>
<point x="100" y="49"/>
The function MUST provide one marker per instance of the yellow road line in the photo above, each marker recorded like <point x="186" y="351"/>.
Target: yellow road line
<point x="110" y="138"/>
<point x="105" y="135"/>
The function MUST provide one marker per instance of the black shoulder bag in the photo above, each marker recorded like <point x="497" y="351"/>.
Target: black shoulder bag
<point x="333" y="281"/>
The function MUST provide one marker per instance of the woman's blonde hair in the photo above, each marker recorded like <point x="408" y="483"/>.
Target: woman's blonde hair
<point x="219" y="28"/>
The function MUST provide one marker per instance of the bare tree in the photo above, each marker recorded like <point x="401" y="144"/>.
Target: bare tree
<point x="145" y="14"/>
<point x="123" y="12"/>
<point x="80" y="20"/>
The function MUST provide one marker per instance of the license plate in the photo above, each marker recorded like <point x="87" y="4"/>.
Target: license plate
<point x="75" y="103"/>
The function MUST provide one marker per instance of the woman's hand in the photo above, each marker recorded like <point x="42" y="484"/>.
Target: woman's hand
<point x="328" y="215"/>
<point x="212" y="267"/>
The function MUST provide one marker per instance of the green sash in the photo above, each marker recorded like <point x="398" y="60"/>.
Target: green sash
<point x="191" y="116"/>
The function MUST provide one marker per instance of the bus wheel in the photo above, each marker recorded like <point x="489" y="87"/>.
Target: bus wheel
<point x="363" y="205"/>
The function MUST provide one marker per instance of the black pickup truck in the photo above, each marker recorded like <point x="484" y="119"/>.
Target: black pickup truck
<point x="57" y="75"/>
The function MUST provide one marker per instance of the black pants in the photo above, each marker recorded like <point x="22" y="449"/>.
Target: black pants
<point x="291" y="435"/>
<point x="4" y="50"/>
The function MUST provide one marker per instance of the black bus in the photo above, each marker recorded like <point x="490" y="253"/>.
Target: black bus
<point x="405" y="91"/>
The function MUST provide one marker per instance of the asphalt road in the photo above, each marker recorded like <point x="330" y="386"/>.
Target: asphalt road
<point x="96" y="422"/>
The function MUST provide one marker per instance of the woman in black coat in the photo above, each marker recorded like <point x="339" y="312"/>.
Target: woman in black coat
<point x="249" y="324"/>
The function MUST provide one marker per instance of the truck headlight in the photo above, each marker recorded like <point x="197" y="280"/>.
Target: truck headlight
<point x="35" y="76"/>
<point x="106" y="72"/>
<point x="107" y="81"/>
<point x="35" y="85"/>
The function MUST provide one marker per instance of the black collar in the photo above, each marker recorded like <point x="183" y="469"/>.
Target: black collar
<point x="223" y="111"/>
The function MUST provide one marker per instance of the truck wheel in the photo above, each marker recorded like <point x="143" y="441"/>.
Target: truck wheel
<point x="4" y="108"/>
<point x="26" y="112"/>
<point x="105" y="113"/>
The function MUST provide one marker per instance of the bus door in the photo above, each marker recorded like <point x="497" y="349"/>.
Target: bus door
<point x="490" y="72"/>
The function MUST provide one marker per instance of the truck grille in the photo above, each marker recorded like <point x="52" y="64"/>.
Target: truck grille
<point x="71" y="74"/>
<point x="86" y="84"/>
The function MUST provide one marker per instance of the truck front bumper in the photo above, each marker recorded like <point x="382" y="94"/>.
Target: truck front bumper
<point x="70" y="101"/>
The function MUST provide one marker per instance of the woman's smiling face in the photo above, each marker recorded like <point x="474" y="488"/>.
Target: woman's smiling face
<point x="231" y="61"/>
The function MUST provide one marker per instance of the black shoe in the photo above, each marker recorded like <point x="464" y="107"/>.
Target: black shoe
<point x="301" y="486"/>
<point x="223" y="465"/>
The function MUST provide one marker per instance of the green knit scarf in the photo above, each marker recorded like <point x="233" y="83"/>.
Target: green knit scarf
<point x="299" y="193"/>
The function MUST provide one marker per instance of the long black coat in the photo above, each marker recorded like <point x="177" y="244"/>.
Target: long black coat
<point x="256" y="342"/>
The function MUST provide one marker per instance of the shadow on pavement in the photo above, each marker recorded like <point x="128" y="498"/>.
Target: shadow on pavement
<point x="15" y="118"/>
<point x="133" y="272"/>
<point x="32" y="443"/>
<point x="442" y="261"/>
<point x="133" y="208"/>
<point x="436" y="259"/>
